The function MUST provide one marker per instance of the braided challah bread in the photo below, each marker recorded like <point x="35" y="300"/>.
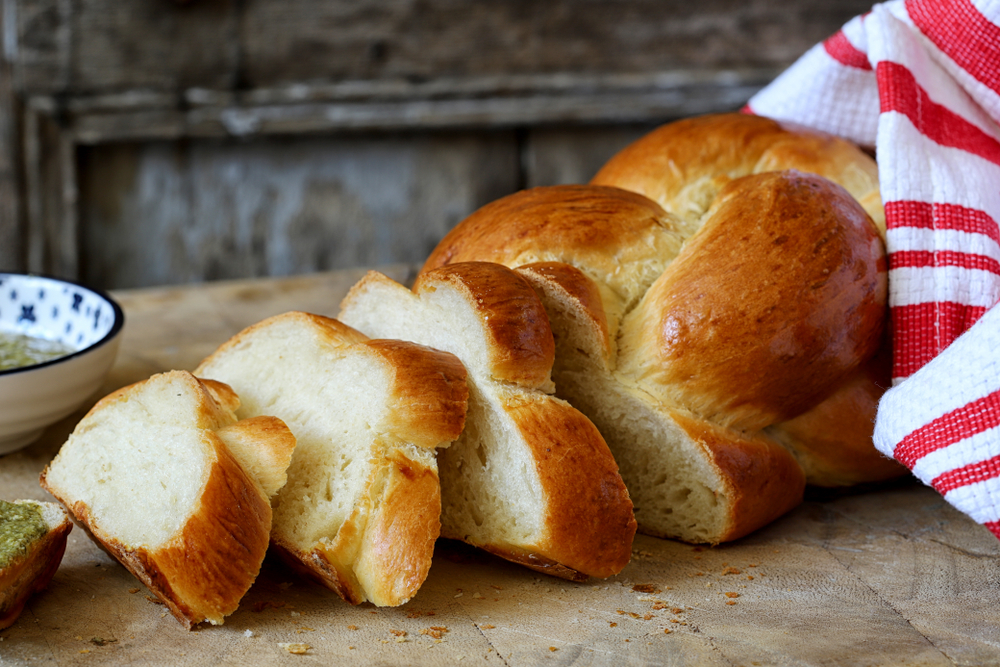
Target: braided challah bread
<point x="692" y="330"/>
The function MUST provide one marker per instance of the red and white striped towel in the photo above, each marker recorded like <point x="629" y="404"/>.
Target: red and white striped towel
<point x="920" y="81"/>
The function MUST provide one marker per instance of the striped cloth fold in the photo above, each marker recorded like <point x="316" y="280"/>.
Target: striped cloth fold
<point x="920" y="81"/>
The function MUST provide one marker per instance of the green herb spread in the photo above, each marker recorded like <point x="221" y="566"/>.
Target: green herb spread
<point x="18" y="350"/>
<point x="20" y="525"/>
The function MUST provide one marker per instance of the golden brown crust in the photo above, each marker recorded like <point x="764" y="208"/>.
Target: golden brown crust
<point x="833" y="440"/>
<point x="431" y="394"/>
<point x="589" y="524"/>
<point x="400" y="535"/>
<point x="768" y="308"/>
<point x="518" y="335"/>
<point x="598" y="229"/>
<point x="761" y="479"/>
<point x="382" y="552"/>
<point x="556" y="282"/>
<point x="677" y="163"/>
<point x="32" y="572"/>
<point x="203" y="572"/>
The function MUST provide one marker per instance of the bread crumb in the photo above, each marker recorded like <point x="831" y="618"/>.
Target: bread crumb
<point x="133" y="590"/>
<point x="487" y="627"/>
<point x="613" y="625"/>
<point x="732" y="594"/>
<point x="731" y="570"/>
<point x="248" y="633"/>
<point x="459" y="595"/>
<point x="431" y="632"/>
<point x="677" y="610"/>
<point x="730" y="602"/>
<point x="667" y="631"/>
<point x="646" y="588"/>
<point x="647" y="617"/>
<point x="352" y="627"/>
<point x="153" y="600"/>
<point x="398" y="633"/>
<point x="86" y="650"/>
<point x="294" y="648"/>
<point x="553" y="648"/>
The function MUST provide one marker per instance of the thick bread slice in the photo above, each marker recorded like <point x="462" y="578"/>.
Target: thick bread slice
<point x="147" y="475"/>
<point x="28" y="563"/>
<point x="531" y="479"/>
<point x="361" y="509"/>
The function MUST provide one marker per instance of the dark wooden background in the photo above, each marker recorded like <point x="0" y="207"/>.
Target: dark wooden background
<point x="149" y="142"/>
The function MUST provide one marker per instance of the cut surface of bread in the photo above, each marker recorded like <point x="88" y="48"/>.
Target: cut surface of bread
<point x="147" y="474"/>
<point x="32" y="543"/>
<point x="361" y="508"/>
<point x="530" y="479"/>
<point x="745" y="306"/>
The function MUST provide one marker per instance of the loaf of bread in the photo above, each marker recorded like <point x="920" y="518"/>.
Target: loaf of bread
<point x="361" y="509"/>
<point x="32" y="544"/>
<point x="691" y="335"/>
<point x="530" y="479"/>
<point x="150" y="474"/>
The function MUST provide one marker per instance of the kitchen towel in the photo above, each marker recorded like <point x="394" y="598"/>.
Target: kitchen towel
<point x="920" y="81"/>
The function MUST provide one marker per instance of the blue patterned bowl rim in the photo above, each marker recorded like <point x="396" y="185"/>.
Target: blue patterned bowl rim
<point x="119" y="321"/>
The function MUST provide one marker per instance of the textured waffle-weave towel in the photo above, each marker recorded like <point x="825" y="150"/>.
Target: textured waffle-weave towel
<point x="920" y="81"/>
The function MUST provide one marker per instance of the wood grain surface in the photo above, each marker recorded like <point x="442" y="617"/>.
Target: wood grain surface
<point x="890" y="576"/>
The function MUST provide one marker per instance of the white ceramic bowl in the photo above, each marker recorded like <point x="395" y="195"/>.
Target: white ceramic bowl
<point x="33" y="397"/>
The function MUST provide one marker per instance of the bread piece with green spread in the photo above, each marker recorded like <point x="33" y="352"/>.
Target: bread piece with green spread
<point x="32" y="543"/>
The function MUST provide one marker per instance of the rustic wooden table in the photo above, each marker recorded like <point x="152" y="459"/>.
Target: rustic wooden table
<point x="887" y="577"/>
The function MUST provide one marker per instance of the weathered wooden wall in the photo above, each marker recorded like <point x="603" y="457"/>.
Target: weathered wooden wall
<point x="151" y="141"/>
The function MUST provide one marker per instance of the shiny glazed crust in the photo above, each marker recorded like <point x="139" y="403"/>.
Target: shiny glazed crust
<point x="33" y="571"/>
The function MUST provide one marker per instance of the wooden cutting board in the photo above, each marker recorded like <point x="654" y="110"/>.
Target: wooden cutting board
<point x="892" y="576"/>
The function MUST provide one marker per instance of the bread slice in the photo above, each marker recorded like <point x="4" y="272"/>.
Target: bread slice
<point x="361" y="509"/>
<point x="531" y="479"/>
<point x="684" y="342"/>
<point x="148" y="474"/>
<point x="32" y="543"/>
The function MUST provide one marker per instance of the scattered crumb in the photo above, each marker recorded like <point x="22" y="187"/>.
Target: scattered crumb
<point x="296" y="649"/>
<point x="86" y="650"/>
<point x="154" y="600"/>
<point x="646" y="588"/>
<point x="553" y="648"/>
<point x="674" y="620"/>
<point x="732" y="594"/>
<point x="487" y="627"/>
<point x="676" y="610"/>
<point x="613" y="625"/>
<point x="459" y="595"/>
<point x="647" y="617"/>
<point x="248" y="633"/>
<point x="749" y="577"/>
<point x="351" y="647"/>
<point x="133" y="590"/>
<point x="731" y="570"/>
<point x="730" y="602"/>
<point x="657" y="605"/>
<point x="667" y="631"/>
<point x="352" y="627"/>
<point x="398" y="633"/>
